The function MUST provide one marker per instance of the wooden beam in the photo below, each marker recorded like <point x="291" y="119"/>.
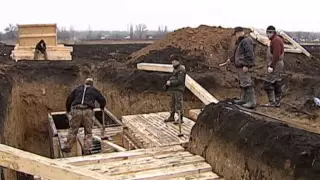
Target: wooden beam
<point x="110" y="157"/>
<point x="46" y="168"/>
<point x="109" y="143"/>
<point x="294" y="43"/>
<point x="37" y="35"/>
<point x="113" y="145"/>
<point x="52" y="126"/>
<point x="145" y="164"/>
<point x="64" y="112"/>
<point x="200" y="176"/>
<point x="297" y="51"/>
<point x="113" y="117"/>
<point x="190" y="83"/>
<point x="167" y="173"/>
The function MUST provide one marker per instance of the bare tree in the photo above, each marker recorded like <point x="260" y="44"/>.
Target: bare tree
<point x="166" y="29"/>
<point x="11" y="31"/>
<point x="141" y="30"/>
<point x="131" y="31"/>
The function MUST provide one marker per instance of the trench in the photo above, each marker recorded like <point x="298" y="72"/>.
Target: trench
<point x="32" y="89"/>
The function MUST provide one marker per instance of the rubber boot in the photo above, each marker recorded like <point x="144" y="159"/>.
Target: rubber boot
<point x="278" y="102"/>
<point x="278" y="93"/>
<point x="242" y="99"/>
<point x="177" y="122"/>
<point x="170" y="119"/>
<point x="251" y="97"/>
<point x="272" y="99"/>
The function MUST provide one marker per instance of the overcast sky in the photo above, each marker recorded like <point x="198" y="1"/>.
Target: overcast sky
<point x="117" y="14"/>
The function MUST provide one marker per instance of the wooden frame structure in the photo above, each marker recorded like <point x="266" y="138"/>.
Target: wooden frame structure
<point x="31" y="34"/>
<point x="58" y="132"/>
<point x="292" y="47"/>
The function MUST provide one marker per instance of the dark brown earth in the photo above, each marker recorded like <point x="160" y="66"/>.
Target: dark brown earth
<point x="31" y="89"/>
<point x="240" y="146"/>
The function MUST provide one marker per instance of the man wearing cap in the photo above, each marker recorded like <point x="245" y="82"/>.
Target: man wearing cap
<point x="244" y="60"/>
<point x="275" y="55"/>
<point x="80" y="104"/>
<point x="176" y="84"/>
<point x="41" y="48"/>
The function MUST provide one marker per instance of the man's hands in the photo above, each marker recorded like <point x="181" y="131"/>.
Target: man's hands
<point x="245" y="69"/>
<point x="168" y="83"/>
<point x="69" y="115"/>
<point x="270" y="69"/>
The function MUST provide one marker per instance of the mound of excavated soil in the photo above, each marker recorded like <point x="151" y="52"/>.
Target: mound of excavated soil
<point x="239" y="146"/>
<point x="197" y="46"/>
<point x="203" y="48"/>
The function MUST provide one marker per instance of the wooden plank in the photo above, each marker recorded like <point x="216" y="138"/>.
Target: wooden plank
<point x="193" y="114"/>
<point x="33" y="164"/>
<point x="166" y="173"/>
<point x="200" y="176"/>
<point x="145" y="164"/>
<point x="112" y="116"/>
<point x="56" y="147"/>
<point x="64" y="112"/>
<point x="100" y="158"/>
<point x="190" y="83"/>
<point x="53" y="128"/>
<point x="294" y="43"/>
<point x="37" y="35"/>
<point x="297" y="51"/>
<point x="113" y="145"/>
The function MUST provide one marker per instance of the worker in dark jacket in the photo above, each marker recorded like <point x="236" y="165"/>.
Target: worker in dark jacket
<point x="176" y="84"/>
<point x="275" y="55"/>
<point x="244" y="60"/>
<point x="40" y="48"/>
<point x="80" y="104"/>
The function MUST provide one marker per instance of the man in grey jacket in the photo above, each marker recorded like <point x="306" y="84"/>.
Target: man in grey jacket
<point x="244" y="60"/>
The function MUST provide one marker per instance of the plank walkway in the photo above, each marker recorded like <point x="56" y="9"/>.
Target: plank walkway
<point x="153" y="132"/>
<point x="170" y="162"/>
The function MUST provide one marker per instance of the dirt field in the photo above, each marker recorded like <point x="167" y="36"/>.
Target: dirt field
<point x="29" y="90"/>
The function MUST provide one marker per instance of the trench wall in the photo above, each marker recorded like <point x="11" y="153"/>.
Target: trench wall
<point x="239" y="146"/>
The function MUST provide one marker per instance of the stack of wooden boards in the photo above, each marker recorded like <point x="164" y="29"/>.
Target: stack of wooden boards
<point x="31" y="34"/>
<point x="170" y="162"/>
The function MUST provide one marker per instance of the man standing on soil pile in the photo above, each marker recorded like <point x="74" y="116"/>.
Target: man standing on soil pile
<point x="244" y="60"/>
<point x="41" y="48"/>
<point x="176" y="84"/>
<point x="275" y="55"/>
<point x="81" y="103"/>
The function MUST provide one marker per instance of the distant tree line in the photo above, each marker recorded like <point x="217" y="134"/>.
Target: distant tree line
<point x="139" y="31"/>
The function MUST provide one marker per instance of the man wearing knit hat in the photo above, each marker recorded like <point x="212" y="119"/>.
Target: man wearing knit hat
<point x="80" y="104"/>
<point x="244" y="60"/>
<point x="275" y="55"/>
